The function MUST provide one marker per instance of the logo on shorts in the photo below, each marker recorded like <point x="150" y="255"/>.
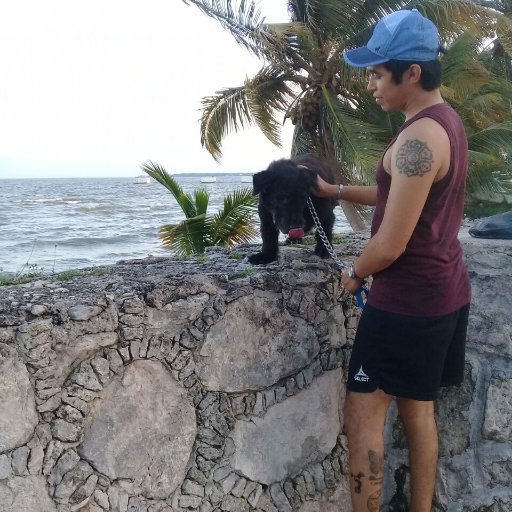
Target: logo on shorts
<point x="361" y="376"/>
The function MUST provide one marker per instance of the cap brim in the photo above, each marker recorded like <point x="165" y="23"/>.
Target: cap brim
<point x="362" y="57"/>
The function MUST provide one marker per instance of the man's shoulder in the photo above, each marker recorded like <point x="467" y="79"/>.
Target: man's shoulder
<point x="426" y="129"/>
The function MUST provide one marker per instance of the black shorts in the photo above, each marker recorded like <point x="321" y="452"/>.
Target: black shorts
<point x="408" y="356"/>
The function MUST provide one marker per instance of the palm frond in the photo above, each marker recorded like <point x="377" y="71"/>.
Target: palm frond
<point x="504" y="32"/>
<point x="190" y="236"/>
<point x="232" y="224"/>
<point x="302" y="142"/>
<point x="223" y="113"/>
<point x="201" y="199"/>
<point x="266" y="93"/>
<point x="488" y="174"/>
<point x="324" y="17"/>
<point x="462" y="73"/>
<point x="358" y="144"/>
<point x="242" y="20"/>
<point x="456" y="16"/>
<point x="159" y="174"/>
<point x="494" y="140"/>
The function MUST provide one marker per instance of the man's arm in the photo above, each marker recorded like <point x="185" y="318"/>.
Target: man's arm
<point x="352" y="193"/>
<point x="420" y="156"/>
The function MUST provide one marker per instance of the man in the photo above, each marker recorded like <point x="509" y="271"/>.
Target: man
<point x="411" y="335"/>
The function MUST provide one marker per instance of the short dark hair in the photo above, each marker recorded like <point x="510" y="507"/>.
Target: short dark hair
<point x="431" y="72"/>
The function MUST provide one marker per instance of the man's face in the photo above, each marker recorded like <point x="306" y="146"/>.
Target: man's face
<point x="390" y="96"/>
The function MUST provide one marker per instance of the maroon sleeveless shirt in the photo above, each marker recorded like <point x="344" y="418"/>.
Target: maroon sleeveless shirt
<point x="430" y="278"/>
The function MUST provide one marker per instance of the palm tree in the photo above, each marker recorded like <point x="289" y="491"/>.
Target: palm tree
<point x="304" y="78"/>
<point x="231" y="225"/>
<point x="483" y="98"/>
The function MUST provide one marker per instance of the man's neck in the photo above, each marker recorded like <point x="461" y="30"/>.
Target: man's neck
<point x="420" y="101"/>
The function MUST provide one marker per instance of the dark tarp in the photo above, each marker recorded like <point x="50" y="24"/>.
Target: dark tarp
<point x="496" y="226"/>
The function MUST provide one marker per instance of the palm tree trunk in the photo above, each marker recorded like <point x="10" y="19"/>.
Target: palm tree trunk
<point x="353" y="216"/>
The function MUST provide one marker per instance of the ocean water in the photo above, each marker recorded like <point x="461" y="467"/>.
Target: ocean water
<point x="53" y="225"/>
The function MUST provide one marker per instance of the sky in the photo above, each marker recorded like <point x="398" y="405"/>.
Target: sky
<point x="93" y="88"/>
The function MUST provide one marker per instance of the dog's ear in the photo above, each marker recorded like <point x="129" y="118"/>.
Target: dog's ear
<point x="311" y="176"/>
<point x="260" y="181"/>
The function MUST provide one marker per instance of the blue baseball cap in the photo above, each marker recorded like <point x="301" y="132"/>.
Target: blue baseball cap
<point x="401" y="35"/>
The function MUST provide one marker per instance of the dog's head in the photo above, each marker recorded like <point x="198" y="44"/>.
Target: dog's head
<point x="283" y="189"/>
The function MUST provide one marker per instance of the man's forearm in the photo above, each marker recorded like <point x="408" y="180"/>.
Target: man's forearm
<point x="359" y="194"/>
<point x="352" y="193"/>
<point x="378" y="255"/>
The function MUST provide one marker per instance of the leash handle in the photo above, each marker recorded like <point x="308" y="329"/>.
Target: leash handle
<point x="361" y="301"/>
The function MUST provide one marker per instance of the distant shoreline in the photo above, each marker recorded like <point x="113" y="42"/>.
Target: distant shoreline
<point x="182" y="174"/>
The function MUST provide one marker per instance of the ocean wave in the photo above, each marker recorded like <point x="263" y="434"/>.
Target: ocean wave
<point x="73" y="223"/>
<point x="49" y="200"/>
<point x="96" y="207"/>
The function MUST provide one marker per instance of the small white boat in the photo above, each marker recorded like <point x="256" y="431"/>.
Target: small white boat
<point x="208" y="179"/>
<point x="142" y="180"/>
<point x="246" y="179"/>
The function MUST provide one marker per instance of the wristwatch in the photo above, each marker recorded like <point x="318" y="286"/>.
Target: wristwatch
<point x="352" y="273"/>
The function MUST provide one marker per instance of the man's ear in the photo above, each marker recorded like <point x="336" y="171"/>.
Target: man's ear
<point x="261" y="181"/>
<point x="414" y="73"/>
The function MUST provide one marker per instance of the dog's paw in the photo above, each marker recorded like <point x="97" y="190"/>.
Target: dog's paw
<point x="321" y="251"/>
<point x="261" y="258"/>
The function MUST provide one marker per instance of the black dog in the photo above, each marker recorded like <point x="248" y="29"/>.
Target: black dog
<point x="284" y="189"/>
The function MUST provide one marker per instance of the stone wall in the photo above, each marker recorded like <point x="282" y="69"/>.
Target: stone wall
<point x="212" y="385"/>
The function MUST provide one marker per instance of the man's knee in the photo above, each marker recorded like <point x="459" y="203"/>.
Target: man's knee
<point x="415" y="411"/>
<point x="364" y="412"/>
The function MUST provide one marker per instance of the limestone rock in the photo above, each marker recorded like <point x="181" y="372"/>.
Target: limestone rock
<point x="76" y="347"/>
<point x="255" y="344"/>
<point x="454" y="423"/>
<point x="82" y="313"/>
<point x="174" y="316"/>
<point x="299" y="431"/>
<point x="142" y="428"/>
<point x="330" y="501"/>
<point x="25" y="494"/>
<point x="18" y="416"/>
<point x="498" y="413"/>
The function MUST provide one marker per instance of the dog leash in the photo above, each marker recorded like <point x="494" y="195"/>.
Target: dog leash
<point x="363" y="290"/>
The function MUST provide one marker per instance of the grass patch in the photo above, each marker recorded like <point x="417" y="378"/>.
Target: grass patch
<point x="67" y="275"/>
<point x="481" y="210"/>
<point x="22" y="277"/>
<point x="35" y="273"/>
<point x="248" y="272"/>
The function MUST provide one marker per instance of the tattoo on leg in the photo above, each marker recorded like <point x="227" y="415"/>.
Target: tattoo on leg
<point x="414" y="158"/>
<point x="373" y="502"/>
<point x="376" y="462"/>
<point x="375" y="480"/>
<point x="359" y="483"/>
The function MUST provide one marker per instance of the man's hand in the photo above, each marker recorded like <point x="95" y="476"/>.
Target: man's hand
<point x="351" y="285"/>
<point x="324" y="189"/>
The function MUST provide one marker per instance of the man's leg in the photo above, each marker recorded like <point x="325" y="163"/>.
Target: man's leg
<point x="421" y="432"/>
<point x="365" y="415"/>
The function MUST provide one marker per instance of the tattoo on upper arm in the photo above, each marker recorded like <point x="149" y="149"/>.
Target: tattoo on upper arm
<point x="414" y="158"/>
